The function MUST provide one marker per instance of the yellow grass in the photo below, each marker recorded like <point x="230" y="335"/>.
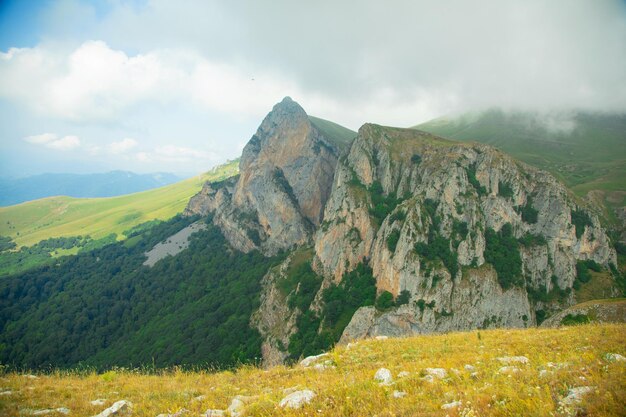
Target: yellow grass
<point x="350" y="390"/>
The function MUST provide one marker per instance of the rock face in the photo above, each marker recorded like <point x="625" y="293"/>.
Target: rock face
<point x="286" y="172"/>
<point x="469" y="236"/>
<point x="434" y="190"/>
<point x="601" y="311"/>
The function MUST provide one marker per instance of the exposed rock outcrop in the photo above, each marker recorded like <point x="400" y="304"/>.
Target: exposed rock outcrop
<point x="472" y="237"/>
<point x="286" y="172"/>
<point x="429" y="188"/>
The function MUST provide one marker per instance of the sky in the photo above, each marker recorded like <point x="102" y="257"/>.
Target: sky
<point x="181" y="86"/>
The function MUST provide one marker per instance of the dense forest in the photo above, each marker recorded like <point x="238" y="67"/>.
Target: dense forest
<point x="104" y="308"/>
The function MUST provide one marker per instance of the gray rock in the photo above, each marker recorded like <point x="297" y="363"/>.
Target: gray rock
<point x="399" y="394"/>
<point x="575" y="395"/>
<point x="297" y="399"/>
<point x="383" y="376"/>
<point x="453" y="404"/>
<point x="99" y="401"/>
<point x="119" y="408"/>
<point x="614" y="357"/>
<point x="213" y="413"/>
<point x="438" y="373"/>
<point x="514" y="359"/>
<point x="179" y="413"/>
<point x="310" y="360"/>
<point x="508" y="370"/>
<point x="60" y="410"/>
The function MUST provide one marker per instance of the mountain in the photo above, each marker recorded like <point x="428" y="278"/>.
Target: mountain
<point x="49" y="227"/>
<point x="321" y="238"/>
<point x="109" y="184"/>
<point x="587" y="151"/>
<point x="286" y="173"/>
<point x="465" y="235"/>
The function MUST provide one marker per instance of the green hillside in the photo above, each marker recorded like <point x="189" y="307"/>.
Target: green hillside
<point x="31" y="222"/>
<point x="340" y="135"/>
<point x="591" y="156"/>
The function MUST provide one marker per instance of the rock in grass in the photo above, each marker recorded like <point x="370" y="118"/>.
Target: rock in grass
<point x="238" y="404"/>
<point x="297" y="399"/>
<point x="60" y="410"/>
<point x="383" y="376"/>
<point x="179" y="413"/>
<point x="6" y="393"/>
<point x="453" y="404"/>
<point x="513" y="359"/>
<point x="614" y="357"/>
<point x="399" y="394"/>
<point x="310" y="360"/>
<point x="438" y="373"/>
<point x="119" y="408"/>
<point x="99" y="401"/>
<point x="213" y="413"/>
<point x="508" y="370"/>
<point x="575" y="395"/>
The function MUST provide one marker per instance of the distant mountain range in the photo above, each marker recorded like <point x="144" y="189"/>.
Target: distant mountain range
<point x="109" y="184"/>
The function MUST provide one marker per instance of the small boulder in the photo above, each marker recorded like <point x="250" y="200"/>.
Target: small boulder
<point x="453" y="404"/>
<point x="614" y="357"/>
<point x="469" y="368"/>
<point x="99" y="401"/>
<point x="403" y="374"/>
<point x="310" y="360"/>
<point x="575" y="395"/>
<point x="213" y="413"/>
<point x="60" y="410"/>
<point x="383" y="376"/>
<point x="438" y="373"/>
<point x="297" y="399"/>
<point x="179" y="413"/>
<point x="399" y="394"/>
<point x="513" y="359"/>
<point x="8" y="392"/>
<point x="119" y="408"/>
<point x="508" y="370"/>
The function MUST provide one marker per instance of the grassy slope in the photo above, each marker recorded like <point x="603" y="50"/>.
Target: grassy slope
<point x="350" y="390"/>
<point x="31" y="222"/>
<point x="592" y="157"/>
<point x="340" y="135"/>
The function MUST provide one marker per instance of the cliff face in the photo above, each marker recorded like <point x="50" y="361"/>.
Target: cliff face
<point x="286" y="172"/>
<point x="469" y="237"/>
<point x="441" y="194"/>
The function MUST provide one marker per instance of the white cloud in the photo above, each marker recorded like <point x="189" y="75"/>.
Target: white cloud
<point x="41" y="139"/>
<point x="65" y="143"/>
<point x="122" y="146"/>
<point x="95" y="82"/>
<point x="52" y="141"/>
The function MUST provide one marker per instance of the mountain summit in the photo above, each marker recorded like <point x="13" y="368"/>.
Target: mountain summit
<point x="286" y="174"/>
<point x="443" y="235"/>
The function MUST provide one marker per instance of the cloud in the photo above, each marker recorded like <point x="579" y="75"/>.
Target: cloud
<point x="532" y="55"/>
<point x="96" y="83"/>
<point x="52" y="141"/>
<point x="41" y="139"/>
<point x="123" y="146"/>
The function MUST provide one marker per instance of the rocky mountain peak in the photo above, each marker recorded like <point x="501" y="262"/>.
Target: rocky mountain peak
<point x="286" y="174"/>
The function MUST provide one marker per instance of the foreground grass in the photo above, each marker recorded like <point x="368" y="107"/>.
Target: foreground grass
<point x="34" y="221"/>
<point x="577" y="353"/>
